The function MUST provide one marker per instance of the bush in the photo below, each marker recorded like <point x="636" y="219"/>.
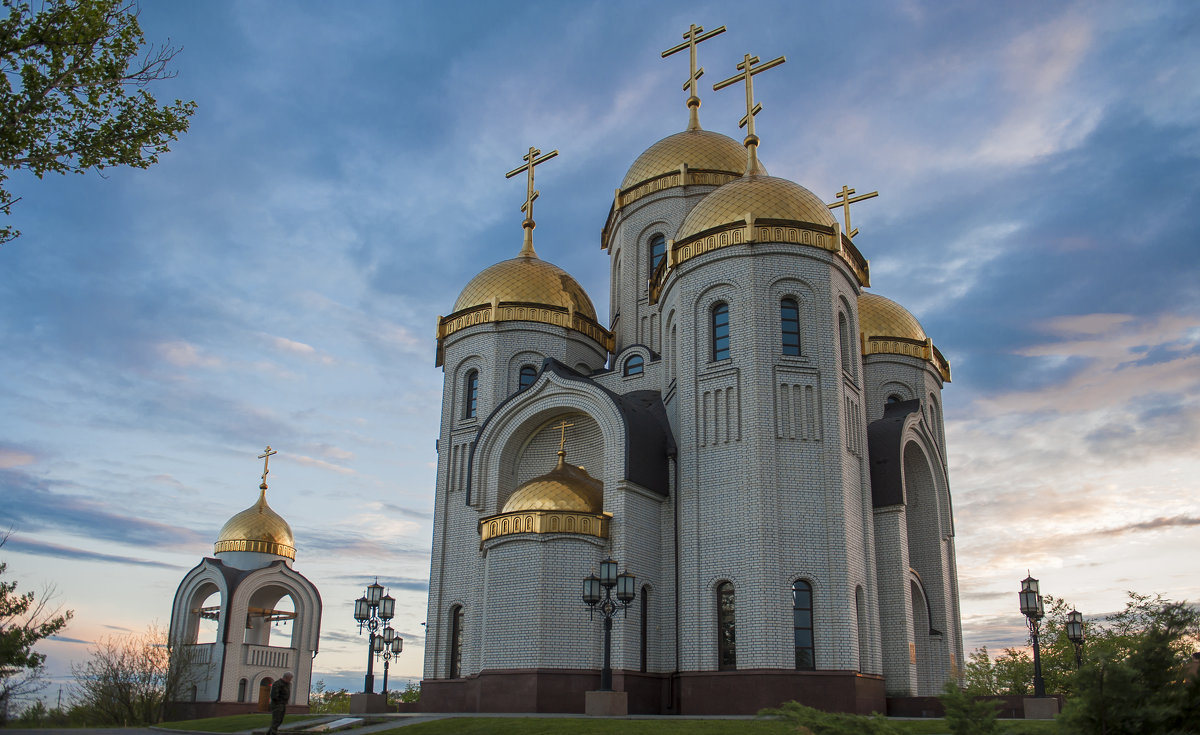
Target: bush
<point x="809" y="721"/>
<point x="967" y="715"/>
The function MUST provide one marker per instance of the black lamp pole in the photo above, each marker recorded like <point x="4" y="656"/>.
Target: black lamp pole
<point x="388" y="645"/>
<point x="626" y="590"/>
<point x="370" y="610"/>
<point x="1075" y="634"/>
<point x="1034" y="609"/>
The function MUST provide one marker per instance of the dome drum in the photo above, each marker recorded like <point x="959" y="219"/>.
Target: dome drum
<point x="504" y="311"/>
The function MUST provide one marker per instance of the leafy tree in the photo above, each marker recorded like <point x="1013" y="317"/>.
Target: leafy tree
<point x="73" y="92"/>
<point x="979" y="675"/>
<point x="1014" y="672"/>
<point x="24" y="620"/>
<point x="324" y="702"/>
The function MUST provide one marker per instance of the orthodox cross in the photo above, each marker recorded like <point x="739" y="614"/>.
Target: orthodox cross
<point x="694" y="36"/>
<point x="562" y="442"/>
<point x="266" y="458"/>
<point x="531" y="159"/>
<point x="748" y="70"/>
<point x="846" y="201"/>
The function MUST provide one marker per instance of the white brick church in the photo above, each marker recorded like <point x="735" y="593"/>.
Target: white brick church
<point x="754" y="435"/>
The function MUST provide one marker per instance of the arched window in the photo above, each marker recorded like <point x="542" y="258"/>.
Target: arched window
<point x="789" y="326"/>
<point x="472" y="394"/>
<point x="720" y="331"/>
<point x="802" y="624"/>
<point x="860" y="609"/>
<point x="844" y="338"/>
<point x="242" y="691"/>
<point x="527" y="376"/>
<point x="634" y="365"/>
<point x="726" y="628"/>
<point x="658" y="251"/>
<point x="645" y="623"/>
<point x="893" y="398"/>
<point x="456" y="641"/>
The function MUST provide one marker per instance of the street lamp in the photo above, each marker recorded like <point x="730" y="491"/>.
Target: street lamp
<point x="387" y="645"/>
<point x="371" y="610"/>
<point x="625" y="584"/>
<point x="1033" y="608"/>
<point x="1075" y="634"/>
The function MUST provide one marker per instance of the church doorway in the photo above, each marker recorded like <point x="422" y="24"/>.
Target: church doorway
<point x="264" y="694"/>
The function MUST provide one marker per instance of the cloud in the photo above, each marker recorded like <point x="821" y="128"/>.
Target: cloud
<point x="64" y="639"/>
<point x="299" y="348"/>
<point x="181" y="353"/>
<point x="320" y="463"/>
<point x="40" y="548"/>
<point x="14" y="458"/>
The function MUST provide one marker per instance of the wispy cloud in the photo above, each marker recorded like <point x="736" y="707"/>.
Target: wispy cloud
<point x="41" y="548"/>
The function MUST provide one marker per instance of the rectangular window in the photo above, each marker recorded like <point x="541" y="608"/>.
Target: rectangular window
<point x="720" y="332"/>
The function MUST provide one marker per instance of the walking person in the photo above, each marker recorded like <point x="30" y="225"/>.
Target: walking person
<point x="281" y="694"/>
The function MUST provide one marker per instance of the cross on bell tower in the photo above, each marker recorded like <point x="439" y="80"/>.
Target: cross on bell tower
<point x="846" y="201"/>
<point x="748" y="70"/>
<point x="532" y="158"/>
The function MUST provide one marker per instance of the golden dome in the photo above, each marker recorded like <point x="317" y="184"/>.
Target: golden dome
<point x="258" y="529"/>
<point x="763" y="198"/>
<point x="699" y="149"/>
<point x="889" y="328"/>
<point x="526" y="279"/>
<point x="564" y="488"/>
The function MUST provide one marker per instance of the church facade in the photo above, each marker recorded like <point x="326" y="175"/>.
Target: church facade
<point x="755" y="435"/>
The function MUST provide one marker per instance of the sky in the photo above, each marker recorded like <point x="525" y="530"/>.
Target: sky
<point x="276" y="278"/>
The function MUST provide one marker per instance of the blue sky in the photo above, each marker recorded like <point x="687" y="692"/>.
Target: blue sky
<point x="276" y="278"/>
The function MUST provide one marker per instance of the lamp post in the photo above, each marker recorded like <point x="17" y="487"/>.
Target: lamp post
<point x="1075" y="634"/>
<point x="608" y="579"/>
<point x="388" y="645"/>
<point x="371" y="610"/>
<point x="1033" y="608"/>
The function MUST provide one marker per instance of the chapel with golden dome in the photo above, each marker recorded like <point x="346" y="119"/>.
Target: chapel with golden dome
<point x="226" y="612"/>
<point x="751" y="432"/>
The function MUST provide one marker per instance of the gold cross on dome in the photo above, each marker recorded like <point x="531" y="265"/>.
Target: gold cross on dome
<point x="266" y="458"/>
<point x="748" y="70"/>
<point x="846" y="201"/>
<point x="562" y="442"/>
<point x="532" y="158"/>
<point x="694" y="36"/>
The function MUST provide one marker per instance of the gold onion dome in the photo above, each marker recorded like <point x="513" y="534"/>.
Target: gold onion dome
<point x="565" y="488"/>
<point x="526" y="279"/>
<point x="763" y="198"/>
<point x="889" y="328"/>
<point x="701" y="150"/>
<point x="258" y="529"/>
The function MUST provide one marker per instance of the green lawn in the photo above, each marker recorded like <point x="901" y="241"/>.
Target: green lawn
<point x="232" y="723"/>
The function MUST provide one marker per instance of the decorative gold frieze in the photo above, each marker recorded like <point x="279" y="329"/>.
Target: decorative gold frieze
<point x="262" y="547"/>
<point x="920" y="349"/>
<point x="509" y="311"/>
<point x="683" y="177"/>
<point x="544" y="521"/>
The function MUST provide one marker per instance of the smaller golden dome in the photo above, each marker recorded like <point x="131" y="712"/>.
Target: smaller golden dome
<point x="564" y="488"/>
<point x="763" y="198"/>
<point x="888" y="328"/>
<point x="527" y="280"/>
<point x="258" y="529"/>
<point x="699" y="149"/>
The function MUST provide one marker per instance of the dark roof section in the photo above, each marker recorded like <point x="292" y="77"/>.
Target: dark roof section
<point x="648" y="438"/>
<point x="887" y="453"/>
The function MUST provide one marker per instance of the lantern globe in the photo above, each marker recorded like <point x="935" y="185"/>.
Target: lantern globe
<point x="374" y="592"/>
<point x="361" y="609"/>
<point x="387" y="607"/>
<point x="1075" y="626"/>
<point x="608" y="573"/>
<point x="388" y="634"/>
<point x="377" y="644"/>
<point x="591" y="590"/>
<point x="397" y="644"/>
<point x="626" y="587"/>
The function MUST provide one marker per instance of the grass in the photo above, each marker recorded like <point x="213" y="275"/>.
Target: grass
<point x="232" y="723"/>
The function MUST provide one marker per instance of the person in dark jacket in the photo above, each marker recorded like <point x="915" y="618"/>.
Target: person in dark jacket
<point x="281" y="694"/>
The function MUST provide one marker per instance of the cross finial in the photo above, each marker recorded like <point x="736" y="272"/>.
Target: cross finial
<point x="562" y="442"/>
<point x="694" y="36"/>
<point x="748" y="70"/>
<point x="531" y="159"/>
<point x="266" y="458"/>
<point x="845" y="201"/>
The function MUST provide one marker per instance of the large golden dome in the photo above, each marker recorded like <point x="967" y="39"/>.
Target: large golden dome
<point x="890" y="329"/>
<point x="701" y="150"/>
<point x="762" y="197"/>
<point x="526" y="279"/>
<point x="565" y="487"/>
<point x="258" y="529"/>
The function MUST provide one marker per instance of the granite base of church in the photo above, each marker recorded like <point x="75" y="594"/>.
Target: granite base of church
<point x="742" y="692"/>
<point x="367" y="704"/>
<point x="606" y="704"/>
<point x="1041" y="708"/>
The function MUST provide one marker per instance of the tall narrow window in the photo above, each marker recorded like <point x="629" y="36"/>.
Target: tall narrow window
<point x="472" y="393"/>
<point x="645" y="623"/>
<point x="802" y="624"/>
<point x="456" y="642"/>
<point x="658" y="252"/>
<point x="527" y="376"/>
<point x="242" y="690"/>
<point x="726" y="628"/>
<point x="844" y="338"/>
<point x="720" y="331"/>
<point x="789" y="326"/>
<point x="634" y="365"/>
